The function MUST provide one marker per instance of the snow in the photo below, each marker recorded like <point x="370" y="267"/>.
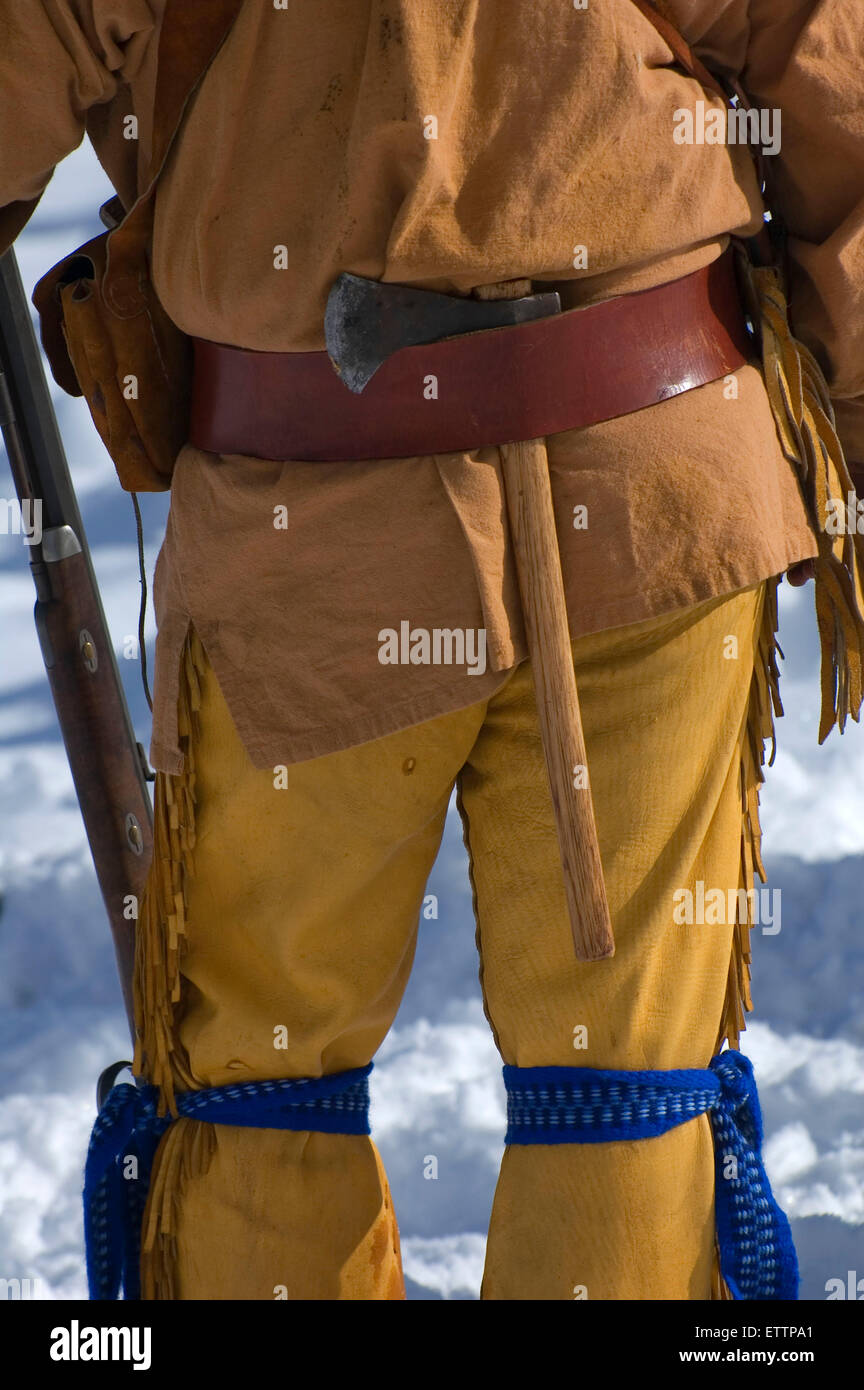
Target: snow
<point x="437" y="1090"/>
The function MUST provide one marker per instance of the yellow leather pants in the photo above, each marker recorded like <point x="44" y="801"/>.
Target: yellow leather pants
<point x="284" y="906"/>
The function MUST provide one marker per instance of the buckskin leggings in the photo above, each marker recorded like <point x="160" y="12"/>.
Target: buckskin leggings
<point x="287" y="904"/>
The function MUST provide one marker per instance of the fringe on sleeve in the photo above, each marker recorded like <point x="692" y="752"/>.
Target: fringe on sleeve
<point x="805" y="422"/>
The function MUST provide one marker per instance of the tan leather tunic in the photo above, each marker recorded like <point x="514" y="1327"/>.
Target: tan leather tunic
<point x="551" y="128"/>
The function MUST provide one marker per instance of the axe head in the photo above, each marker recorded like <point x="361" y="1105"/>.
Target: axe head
<point x="366" y="321"/>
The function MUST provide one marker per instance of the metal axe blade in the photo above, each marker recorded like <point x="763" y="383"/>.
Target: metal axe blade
<point x="366" y="321"/>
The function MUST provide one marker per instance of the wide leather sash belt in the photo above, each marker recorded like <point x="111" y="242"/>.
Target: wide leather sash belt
<point x="483" y="388"/>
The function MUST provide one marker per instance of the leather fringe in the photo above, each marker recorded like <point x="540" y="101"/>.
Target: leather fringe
<point x="805" y="422"/>
<point x="187" y="1146"/>
<point x="184" y="1153"/>
<point x="161" y="928"/>
<point x="764" y="705"/>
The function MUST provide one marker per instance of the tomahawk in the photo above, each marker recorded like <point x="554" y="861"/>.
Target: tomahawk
<point x="365" y="322"/>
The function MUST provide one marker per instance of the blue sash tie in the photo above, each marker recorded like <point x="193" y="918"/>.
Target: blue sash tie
<point x="581" y="1105"/>
<point x="127" y="1133"/>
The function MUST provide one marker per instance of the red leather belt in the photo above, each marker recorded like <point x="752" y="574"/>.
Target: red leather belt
<point x="490" y="387"/>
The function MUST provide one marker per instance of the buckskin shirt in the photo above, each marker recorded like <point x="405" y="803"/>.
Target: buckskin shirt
<point x="449" y="144"/>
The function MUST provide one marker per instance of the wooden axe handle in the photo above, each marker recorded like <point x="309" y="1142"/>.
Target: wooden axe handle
<point x="538" y="562"/>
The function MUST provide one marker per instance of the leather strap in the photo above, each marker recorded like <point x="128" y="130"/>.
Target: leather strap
<point x="192" y="33"/>
<point x="766" y="247"/>
<point x="485" y="388"/>
<point x="684" y="54"/>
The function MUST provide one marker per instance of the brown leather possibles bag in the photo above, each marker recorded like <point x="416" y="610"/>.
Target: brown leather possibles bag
<point x="133" y="368"/>
<point x="105" y="333"/>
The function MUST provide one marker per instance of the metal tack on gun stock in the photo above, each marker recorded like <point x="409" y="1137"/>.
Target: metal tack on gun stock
<point x="108" y="766"/>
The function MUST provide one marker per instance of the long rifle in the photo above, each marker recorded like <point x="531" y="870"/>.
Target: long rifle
<point x="108" y="766"/>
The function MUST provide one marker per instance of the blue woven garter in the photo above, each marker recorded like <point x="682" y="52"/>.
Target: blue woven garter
<point x="581" y="1105"/>
<point x="127" y="1133"/>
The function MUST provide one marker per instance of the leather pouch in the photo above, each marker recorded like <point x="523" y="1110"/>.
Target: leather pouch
<point x="134" y="371"/>
<point x="104" y="330"/>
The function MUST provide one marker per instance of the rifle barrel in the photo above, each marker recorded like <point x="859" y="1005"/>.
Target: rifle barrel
<point x="107" y="763"/>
